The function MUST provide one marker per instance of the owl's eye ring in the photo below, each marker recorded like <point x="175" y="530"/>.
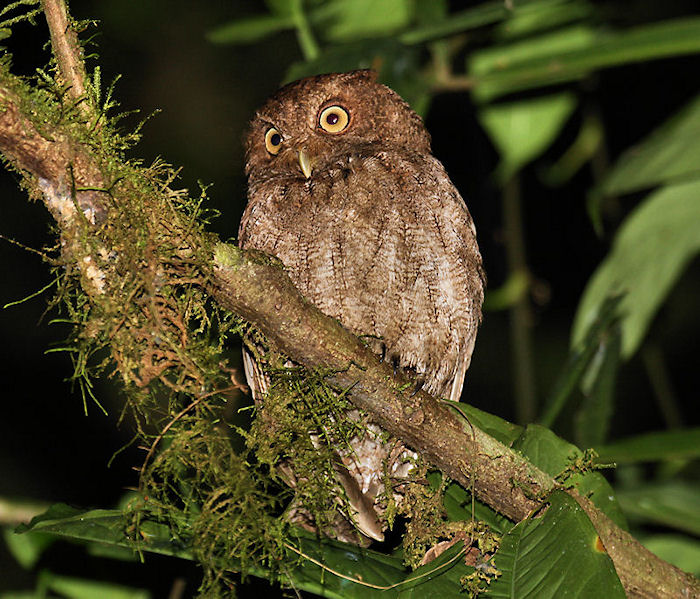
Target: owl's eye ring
<point x="334" y="119"/>
<point x="273" y="141"/>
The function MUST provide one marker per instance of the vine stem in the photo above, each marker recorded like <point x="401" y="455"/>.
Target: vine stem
<point x="520" y="313"/>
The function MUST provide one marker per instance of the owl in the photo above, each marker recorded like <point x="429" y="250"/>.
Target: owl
<point x="343" y="189"/>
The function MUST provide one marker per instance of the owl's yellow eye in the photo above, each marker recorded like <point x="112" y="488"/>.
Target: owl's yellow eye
<point x="334" y="119"/>
<point x="273" y="140"/>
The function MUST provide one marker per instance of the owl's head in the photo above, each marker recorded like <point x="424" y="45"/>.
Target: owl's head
<point x="313" y="123"/>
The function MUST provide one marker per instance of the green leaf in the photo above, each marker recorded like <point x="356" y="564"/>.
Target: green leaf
<point x="483" y="14"/>
<point x="578" y="361"/>
<point x="581" y="151"/>
<point x="502" y="69"/>
<point x="281" y="8"/>
<point x="555" y="556"/>
<point x="104" y="526"/>
<point x="523" y="17"/>
<point x="374" y="575"/>
<point x="349" y="20"/>
<point x="681" y="551"/>
<point x="346" y="570"/>
<point x="531" y="17"/>
<point x="559" y="458"/>
<point x="522" y="130"/>
<point x="570" y="54"/>
<point x="673" y="504"/>
<point x="79" y="588"/>
<point x="502" y="430"/>
<point x="62" y="519"/>
<point x="252" y="29"/>
<point x="650" y="250"/>
<point x="668" y="154"/>
<point x="431" y="12"/>
<point x="27" y="549"/>
<point x="598" y="387"/>
<point x="653" y="447"/>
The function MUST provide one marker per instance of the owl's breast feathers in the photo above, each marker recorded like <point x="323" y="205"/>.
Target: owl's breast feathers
<point x="382" y="241"/>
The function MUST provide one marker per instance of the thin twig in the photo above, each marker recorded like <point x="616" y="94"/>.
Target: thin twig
<point x="68" y="53"/>
<point x="453" y="83"/>
<point x="520" y="313"/>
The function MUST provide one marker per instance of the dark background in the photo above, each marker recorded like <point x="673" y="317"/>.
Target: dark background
<point x="50" y="451"/>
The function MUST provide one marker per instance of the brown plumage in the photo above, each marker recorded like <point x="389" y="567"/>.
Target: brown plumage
<point x="344" y="191"/>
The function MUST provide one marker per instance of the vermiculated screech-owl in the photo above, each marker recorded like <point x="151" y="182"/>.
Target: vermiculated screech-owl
<point x="343" y="189"/>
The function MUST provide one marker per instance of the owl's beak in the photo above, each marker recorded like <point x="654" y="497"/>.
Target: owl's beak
<point x="305" y="163"/>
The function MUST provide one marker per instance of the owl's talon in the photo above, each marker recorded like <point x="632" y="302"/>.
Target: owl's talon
<point x="395" y="364"/>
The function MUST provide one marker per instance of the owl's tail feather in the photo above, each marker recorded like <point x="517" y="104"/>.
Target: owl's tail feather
<point x="463" y="361"/>
<point x="364" y="516"/>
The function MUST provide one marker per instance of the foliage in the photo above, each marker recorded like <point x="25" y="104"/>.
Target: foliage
<point x="209" y="491"/>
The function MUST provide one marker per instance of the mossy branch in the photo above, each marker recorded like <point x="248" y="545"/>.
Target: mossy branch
<point x="63" y="169"/>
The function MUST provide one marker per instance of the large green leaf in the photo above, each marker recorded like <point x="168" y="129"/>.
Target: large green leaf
<point x="522" y="17"/>
<point x="327" y="568"/>
<point x="668" y="154"/>
<point x="598" y="388"/>
<point x="555" y="556"/>
<point x="681" y="551"/>
<point x="80" y="588"/>
<point x="528" y="18"/>
<point x="483" y="14"/>
<point x="349" y="20"/>
<point x="579" y="360"/>
<point x="522" y="130"/>
<point x="491" y="66"/>
<point x="500" y="429"/>
<point x="673" y="504"/>
<point x="649" y="252"/>
<point x="571" y="53"/>
<point x="562" y="460"/>
<point x="653" y="447"/>
<point x="252" y="29"/>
